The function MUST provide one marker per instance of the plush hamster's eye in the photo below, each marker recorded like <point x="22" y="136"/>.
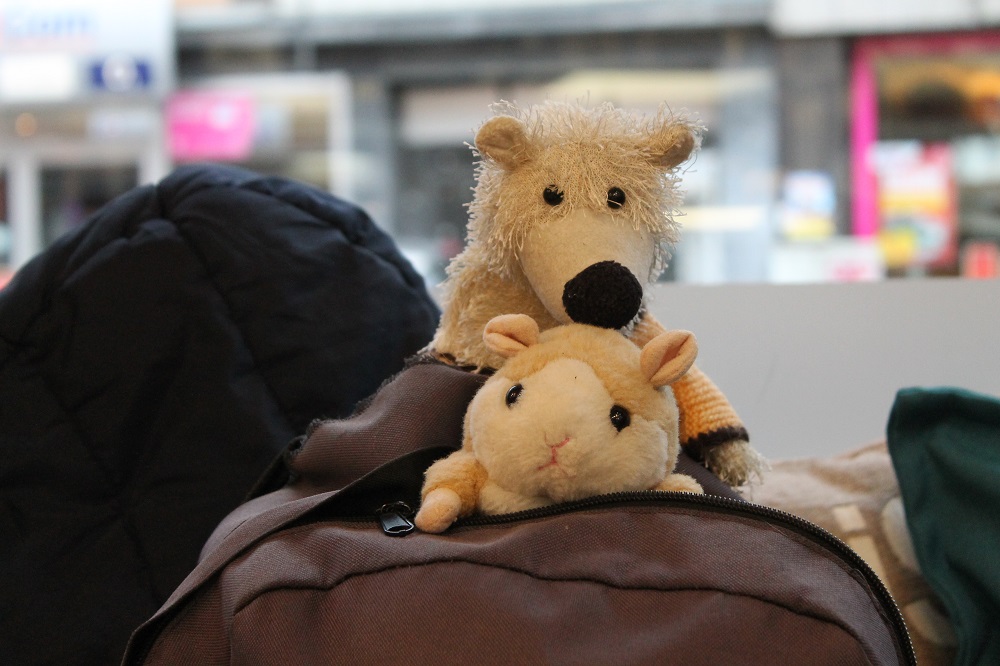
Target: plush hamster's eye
<point x="620" y="418"/>
<point x="512" y="394"/>
<point x="616" y="197"/>
<point x="553" y="195"/>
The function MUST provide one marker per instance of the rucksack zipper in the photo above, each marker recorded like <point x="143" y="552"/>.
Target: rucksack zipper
<point x="394" y="518"/>
<point x="397" y="516"/>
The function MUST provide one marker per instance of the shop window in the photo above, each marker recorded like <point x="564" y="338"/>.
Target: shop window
<point x="70" y="194"/>
<point x="284" y="126"/>
<point x="926" y="152"/>
<point x="729" y="189"/>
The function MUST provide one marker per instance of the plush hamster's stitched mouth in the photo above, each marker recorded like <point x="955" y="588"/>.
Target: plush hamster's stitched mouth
<point x="554" y="451"/>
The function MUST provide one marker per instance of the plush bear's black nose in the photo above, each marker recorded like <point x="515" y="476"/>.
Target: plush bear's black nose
<point x="605" y="294"/>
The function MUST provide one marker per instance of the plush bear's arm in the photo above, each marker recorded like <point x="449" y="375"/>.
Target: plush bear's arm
<point x="451" y="490"/>
<point x="711" y="431"/>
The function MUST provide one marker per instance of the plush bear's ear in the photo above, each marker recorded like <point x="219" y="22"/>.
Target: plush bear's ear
<point x="671" y="144"/>
<point x="510" y="334"/>
<point x="668" y="356"/>
<point x="503" y="139"/>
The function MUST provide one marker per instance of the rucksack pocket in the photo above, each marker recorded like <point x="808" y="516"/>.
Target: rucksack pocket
<point x="629" y="578"/>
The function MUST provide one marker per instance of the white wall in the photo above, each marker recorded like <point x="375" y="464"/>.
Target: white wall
<point x="813" y="369"/>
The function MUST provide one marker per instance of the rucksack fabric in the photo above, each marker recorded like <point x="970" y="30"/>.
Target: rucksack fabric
<point x="323" y="566"/>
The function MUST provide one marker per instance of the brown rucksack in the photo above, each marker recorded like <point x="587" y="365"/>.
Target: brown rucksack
<point x="323" y="566"/>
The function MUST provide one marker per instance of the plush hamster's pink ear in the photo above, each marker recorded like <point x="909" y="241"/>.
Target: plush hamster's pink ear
<point x="510" y="334"/>
<point x="668" y="356"/>
<point x="671" y="143"/>
<point x="503" y="139"/>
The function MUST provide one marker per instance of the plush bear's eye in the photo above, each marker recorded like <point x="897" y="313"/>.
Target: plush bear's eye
<point x="620" y="418"/>
<point x="512" y="394"/>
<point x="553" y="195"/>
<point x="616" y="197"/>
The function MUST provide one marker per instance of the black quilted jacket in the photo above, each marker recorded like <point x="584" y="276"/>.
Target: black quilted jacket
<point x="152" y="363"/>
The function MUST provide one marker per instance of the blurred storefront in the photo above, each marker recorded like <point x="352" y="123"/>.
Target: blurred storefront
<point x="729" y="189"/>
<point x="846" y="140"/>
<point x="81" y="89"/>
<point x="292" y="124"/>
<point x="920" y="86"/>
<point x="422" y="76"/>
<point x="926" y="150"/>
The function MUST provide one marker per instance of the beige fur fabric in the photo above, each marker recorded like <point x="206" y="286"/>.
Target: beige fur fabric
<point x="575" y="411"/>
<point x="582" y="152"/>
<point x="561" y="189"/>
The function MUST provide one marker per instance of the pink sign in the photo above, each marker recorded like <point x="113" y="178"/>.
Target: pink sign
<point x="210" y="126"/>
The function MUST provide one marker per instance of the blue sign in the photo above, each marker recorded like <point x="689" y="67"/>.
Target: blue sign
<point x="120" y="74"/>
<point x="71" y="51"/>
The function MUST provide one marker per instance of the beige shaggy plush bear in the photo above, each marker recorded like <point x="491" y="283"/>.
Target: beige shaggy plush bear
<point x="574" y="412"/>
<point x="571" y="221"/>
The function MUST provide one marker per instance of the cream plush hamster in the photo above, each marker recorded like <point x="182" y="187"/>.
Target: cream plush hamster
<point x="574" y="411"/>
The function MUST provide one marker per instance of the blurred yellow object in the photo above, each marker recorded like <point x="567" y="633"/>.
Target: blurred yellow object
<point x="810" y="227"/>
<point x="899" y="246"/>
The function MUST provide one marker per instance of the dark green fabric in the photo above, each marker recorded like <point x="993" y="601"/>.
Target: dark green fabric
<point x="945" y="447"/>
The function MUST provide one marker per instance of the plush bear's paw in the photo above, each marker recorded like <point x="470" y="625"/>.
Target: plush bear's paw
<point x="735" y="462"/>
<point x="438" y="510"/>
<point x="681" y="483"/>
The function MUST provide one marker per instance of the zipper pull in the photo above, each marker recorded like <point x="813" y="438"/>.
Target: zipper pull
<point x="395" y="518"/>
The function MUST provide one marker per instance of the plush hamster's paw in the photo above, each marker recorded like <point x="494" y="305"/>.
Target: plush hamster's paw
<point x="681" y="483"/>
<point x="438" y="510"/>
<point x="735" y="462"/>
